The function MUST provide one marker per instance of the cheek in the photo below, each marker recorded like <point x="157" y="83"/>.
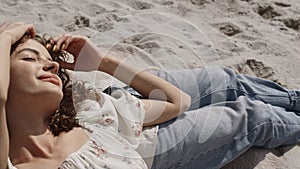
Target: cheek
<point x="21" y="76"/>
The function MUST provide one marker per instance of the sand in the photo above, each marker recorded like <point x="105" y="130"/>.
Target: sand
<point x="254" y="37"/>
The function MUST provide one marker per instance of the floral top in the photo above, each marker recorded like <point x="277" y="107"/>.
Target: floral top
<point x="117" y="138"/>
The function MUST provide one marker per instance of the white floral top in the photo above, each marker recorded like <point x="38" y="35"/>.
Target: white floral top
<point x="117" y="138"/>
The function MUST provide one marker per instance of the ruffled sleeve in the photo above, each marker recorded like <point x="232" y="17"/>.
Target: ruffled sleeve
<point x="116" y="122"/>
<point x="120" y="111"/>
<point x="112" y="129"/>
<point x="131" y="115"/>
<point x="91" y="112"/>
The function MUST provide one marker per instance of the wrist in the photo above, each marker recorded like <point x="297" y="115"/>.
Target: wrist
<point x="107" y="65"/>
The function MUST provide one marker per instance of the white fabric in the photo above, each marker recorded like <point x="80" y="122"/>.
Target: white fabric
<point x="115" y="123"/>
<point x="10" y="166"/>
<point x="117" y="139"/>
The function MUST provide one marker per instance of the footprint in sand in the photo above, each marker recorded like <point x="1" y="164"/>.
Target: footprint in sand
<point x="167" y="3"/>
<point x="228" y="29"/>
<point x="198" y="2"/>
<point x="256" y="45"/>
<point x="267" y="12"/>
<point x="143" y="41"/>
<point x="140" y="5"/>
<point x="77" y="22"/>
<point x="107" y="23"/>
<point x="104" y="25"/>
<point x="134" y="40"/>
<point x="255" y="68"/>
<point x="281" y="4"/>
<point x="259" y="69"/>
<point x="81" y="21"/>
<point x="292" y="23"/>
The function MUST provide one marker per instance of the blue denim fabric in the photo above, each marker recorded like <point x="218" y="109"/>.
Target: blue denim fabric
<point x="229" y="114"/>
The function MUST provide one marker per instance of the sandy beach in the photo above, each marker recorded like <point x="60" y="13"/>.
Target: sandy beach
<point x="260" y="38"/>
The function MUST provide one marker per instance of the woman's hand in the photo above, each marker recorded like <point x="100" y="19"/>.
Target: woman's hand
<point x="71" y="43"/>
<point x="167" y="101"/>
<point x="16" y="30"/>
<point x="10" y="33"/>
<point x="86" y="55"/>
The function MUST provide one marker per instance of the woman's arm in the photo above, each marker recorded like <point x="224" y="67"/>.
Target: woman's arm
<point x="9" y="34"/>
<point x="4" y="82"/>
<point x="165" y="100"/>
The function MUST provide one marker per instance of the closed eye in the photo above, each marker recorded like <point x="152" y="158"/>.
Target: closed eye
<point x="29" y="59"/>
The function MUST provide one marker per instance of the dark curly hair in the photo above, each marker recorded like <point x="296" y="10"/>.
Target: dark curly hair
<point x="64" y="118"/>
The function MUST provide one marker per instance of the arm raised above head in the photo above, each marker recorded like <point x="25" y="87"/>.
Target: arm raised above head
<point x="9" y="34"/>
<point x="4" y="82"/>
<point x="165" y="100"/>
<point x="4" y="65"/>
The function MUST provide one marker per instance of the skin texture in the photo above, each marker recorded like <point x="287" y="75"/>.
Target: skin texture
<point x="28" y="65"/>
<point x="28" y="90"/>
<point x="35" y="92"/>
<point x="165" y="100"/>
<point x="32" y="142"/>
<point x="9" y="34"/>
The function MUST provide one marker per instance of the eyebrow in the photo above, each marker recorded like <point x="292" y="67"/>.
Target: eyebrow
<point x="31" y="50"/>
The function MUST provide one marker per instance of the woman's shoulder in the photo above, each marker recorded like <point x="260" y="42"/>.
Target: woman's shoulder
<point x="95" y="106"/>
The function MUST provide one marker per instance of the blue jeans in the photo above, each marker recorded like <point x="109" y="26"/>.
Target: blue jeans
<point x="229" y="114"/>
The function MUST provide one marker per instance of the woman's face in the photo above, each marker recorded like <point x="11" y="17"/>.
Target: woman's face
<point x="33" y="74"/>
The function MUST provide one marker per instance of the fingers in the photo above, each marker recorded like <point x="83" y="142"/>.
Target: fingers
<point x="31" y="30"/>
<point x="18" y="25"/>
<point x="63" y="41"/>
<point x="17" y="29"/>
<point x="5" y="24"/>
<point x="67" y="42"/>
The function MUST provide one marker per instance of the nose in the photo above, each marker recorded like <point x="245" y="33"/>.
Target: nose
<point x="51" y="66"/>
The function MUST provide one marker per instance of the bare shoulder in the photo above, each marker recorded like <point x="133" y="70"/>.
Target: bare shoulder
<point x="67" y="144"/>
<point x="78" y="134"/>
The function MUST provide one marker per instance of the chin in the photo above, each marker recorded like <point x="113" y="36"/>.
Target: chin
<point x="53" y="101"/>
<point x="52" y="97"/>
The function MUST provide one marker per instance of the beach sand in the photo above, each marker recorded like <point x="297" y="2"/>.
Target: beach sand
<point x="256" y="37"/>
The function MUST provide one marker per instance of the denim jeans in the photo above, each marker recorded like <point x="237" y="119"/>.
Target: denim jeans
<point x="229" y="114"/>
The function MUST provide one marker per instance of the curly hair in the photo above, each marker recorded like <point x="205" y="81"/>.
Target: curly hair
<point x="64" y="118"/>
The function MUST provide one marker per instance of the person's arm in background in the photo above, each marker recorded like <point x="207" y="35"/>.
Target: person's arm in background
<point x="9" y="34"/>
<point x="165" y="100"/>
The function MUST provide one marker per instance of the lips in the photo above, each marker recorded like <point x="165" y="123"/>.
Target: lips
<point x="50" y="78"/>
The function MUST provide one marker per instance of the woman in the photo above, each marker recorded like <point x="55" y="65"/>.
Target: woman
<point x="237" y="111"/>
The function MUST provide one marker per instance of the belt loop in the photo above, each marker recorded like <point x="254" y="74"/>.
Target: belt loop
<point x="294" y="98"/>
<point x="297" y="97"/>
